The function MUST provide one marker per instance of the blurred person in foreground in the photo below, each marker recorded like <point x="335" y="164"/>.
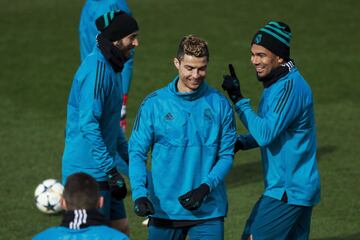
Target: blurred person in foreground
<point x="88" y="31"/>
<point x="81" y="219"/>
<point x="284" y="129"/>
<point x="94" y="142"/>
<point x="190" y="129"/>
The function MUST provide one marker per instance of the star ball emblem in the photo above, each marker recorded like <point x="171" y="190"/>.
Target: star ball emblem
<point x="258" y="38"/>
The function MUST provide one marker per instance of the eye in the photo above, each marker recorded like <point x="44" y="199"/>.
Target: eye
<point x="202" y="69"/>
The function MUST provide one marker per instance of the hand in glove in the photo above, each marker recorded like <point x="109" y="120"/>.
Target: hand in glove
<point x="116" y="184"/>
<point x="231" y="84"/>
<point x="192" y="200"/>
<point x="143" y="207"/>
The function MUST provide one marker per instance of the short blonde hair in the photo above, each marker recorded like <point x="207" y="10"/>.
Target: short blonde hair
<point x="193" y="46"/>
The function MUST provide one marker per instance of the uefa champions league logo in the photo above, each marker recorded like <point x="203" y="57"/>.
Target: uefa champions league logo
<point x="258" y="38"/>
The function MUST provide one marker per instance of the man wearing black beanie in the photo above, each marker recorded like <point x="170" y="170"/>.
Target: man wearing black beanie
<point x="284" y="129"/>
<point x="118" y="35"/>
<point x="88" y="31"/>
<point x="94" y="142"/>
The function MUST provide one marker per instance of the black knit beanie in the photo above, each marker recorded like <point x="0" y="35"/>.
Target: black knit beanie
<point x="276" y="37"/>
<point x="116" y="25"/>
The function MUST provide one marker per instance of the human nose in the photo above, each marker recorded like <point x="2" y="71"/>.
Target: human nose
<point x="135" y="42"/>
<point x="195" y="73"/>
<point x="254" y="60"/>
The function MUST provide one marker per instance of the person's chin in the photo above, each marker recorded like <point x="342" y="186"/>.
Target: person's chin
<point x="260" y="74"/>
<point x="196" y="83"/>
<point x="195" y="86"/>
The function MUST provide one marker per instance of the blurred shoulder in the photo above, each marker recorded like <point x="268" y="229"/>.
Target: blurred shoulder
<point x="110" y="233"/>
<point x="50" y="233"/>
<point x="153" y="98"/>
<point x="96" y="63"/>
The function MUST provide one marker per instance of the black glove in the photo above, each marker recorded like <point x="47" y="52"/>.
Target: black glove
<point x="192" y="200"/>
<point x="238" y="146"/>
<point x="143" y="207"/>
<point x="231" y="84"/>
<point x="117" y="184"/>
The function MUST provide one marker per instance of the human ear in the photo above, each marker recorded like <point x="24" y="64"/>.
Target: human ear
<point x="177" y="63"/>
<point x="100" y="202"/>
<point x="63" y="203"/>
<point x="280" y="60"/>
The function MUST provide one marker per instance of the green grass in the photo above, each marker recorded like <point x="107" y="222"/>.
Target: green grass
<point x="39" y="55"/>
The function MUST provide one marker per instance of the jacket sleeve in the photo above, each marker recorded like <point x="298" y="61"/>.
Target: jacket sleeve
<point x="284" y="108"/>
<point x="122" y="147"/>
<point x="226" y="149"/>
<point x="140" y="142"/>
<point x="92" y="92"/>
<point x="121" y="165"/>
<point x="122" y="158"/>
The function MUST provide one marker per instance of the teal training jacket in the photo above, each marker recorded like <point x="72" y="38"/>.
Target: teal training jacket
<point x="285" y="130"/>
<point x="94" y="141"/>
<point x="89" y="233"/>
<point x="191" y="137"/>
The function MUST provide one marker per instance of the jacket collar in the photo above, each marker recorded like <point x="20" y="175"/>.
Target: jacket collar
<point x="189" y="96"/>
<point x="277" y="73"/>
<point x="82" y="218"/>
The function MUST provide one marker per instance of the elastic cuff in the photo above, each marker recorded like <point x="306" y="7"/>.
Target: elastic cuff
<point x="139" y="196"/>
<point x="113" y="171"/>
<point x="237" y="99"/>
<point x="205" y="185"/>
<point x="240" y="103"/>
<point x="139" y="193"/>
<point x="207" y="182"/>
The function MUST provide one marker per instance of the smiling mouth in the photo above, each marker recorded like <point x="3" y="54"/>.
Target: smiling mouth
<point x="195" y="82"/>
<point x="259" y="70"/>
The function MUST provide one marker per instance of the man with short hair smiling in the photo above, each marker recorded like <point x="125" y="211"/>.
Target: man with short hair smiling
<point x="190" y="130"/>
<point x="284" y="129"/>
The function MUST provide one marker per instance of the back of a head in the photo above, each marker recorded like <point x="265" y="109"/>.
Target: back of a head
<point x="81" y="192"/>
<point x="193" y="46"/>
